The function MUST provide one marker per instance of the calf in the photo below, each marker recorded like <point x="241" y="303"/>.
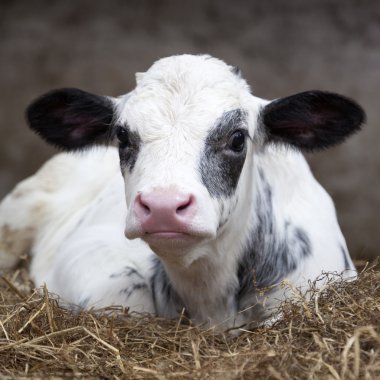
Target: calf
<point x="215" y="198"/>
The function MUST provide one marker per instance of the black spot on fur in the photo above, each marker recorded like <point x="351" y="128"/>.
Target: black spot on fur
<point x="166" y="301"/>
<point x="236" y="70"/>
<point x="302" y="241"/>
<point x="346" y="262"/>
<point x="84" y="303"/>
<point x="220" y="168"/>
<point x="222" y="223"/>
<point x="127" y="292"/>
<point x="126" y="272"/>
<point x="71" y="119"/>
<point x="268" y="257"/>
<point x="311" y="120"/>
<point x="225" y="215"/>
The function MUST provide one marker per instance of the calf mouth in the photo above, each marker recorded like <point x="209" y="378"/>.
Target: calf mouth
<point x="175" y="242"/>
<point x="167" y="235"/>
<point x="174" y="236"/>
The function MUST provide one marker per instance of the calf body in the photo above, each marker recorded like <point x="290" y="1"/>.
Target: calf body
<point x="214" y="196"/>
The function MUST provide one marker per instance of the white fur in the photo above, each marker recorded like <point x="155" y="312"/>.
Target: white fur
<point x="76" y="237"/>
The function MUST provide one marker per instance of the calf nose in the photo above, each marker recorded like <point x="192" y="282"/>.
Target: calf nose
<point x="164" y="211"/>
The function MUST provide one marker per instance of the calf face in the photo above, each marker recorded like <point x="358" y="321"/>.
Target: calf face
<point x="187" y="137"/>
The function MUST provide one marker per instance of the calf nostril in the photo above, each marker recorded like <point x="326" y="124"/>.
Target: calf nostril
<point x="146" y="208"/>
<point x="143" y="205"/>
<point x="184" y="205"/>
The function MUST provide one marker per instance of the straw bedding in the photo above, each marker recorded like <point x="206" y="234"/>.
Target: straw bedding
<point x="334" y="335"/>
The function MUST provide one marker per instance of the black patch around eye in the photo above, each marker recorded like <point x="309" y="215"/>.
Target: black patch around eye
<point x="220" y="167"/>
<point x="129" y="146"/>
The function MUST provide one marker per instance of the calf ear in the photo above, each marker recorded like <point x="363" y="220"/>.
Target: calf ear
<point x="71" y="119"/>
<point x="311" y="120"/>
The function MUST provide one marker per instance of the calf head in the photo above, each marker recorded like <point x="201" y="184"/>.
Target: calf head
<point x="187" y="136"/>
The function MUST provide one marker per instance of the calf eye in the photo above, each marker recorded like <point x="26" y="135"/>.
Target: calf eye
<point x="122" y="136"/>
<point x="237" y="141"/>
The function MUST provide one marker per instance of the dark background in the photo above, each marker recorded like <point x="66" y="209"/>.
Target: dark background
<point x="282" y="47"/>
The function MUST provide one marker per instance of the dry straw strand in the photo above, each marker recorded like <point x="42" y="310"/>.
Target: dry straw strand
<point x="334" y="333"/>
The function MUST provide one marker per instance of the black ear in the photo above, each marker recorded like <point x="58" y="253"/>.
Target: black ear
<point x="311" y="120"/>
<point x="71" y="119"/>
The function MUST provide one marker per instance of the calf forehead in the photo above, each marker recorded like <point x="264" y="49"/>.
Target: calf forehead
<point x="183" y="94"/>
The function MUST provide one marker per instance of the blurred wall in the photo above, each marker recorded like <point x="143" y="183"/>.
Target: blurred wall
<point x="282" y="47"/>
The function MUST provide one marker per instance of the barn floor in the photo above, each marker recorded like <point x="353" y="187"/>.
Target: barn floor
<point x="336" y="335"/>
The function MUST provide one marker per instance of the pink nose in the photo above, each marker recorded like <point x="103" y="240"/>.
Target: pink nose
<point x="164" y="210"/>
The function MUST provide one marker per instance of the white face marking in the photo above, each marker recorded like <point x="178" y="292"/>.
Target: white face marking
<point x="173" y="109"/>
